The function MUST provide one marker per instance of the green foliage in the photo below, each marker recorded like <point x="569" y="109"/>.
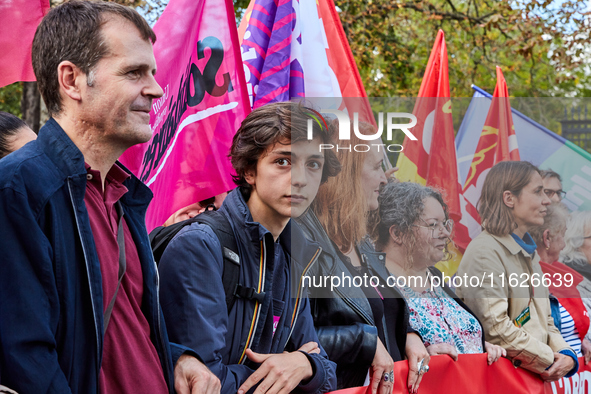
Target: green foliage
<point x="10" y="98"/>
<point x="240" y="6"/>
<point x="539" y="46"/>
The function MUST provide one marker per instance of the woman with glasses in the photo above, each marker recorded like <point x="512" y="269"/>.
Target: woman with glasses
<point x="414" y="230"/>
<point x="512" y="302"/>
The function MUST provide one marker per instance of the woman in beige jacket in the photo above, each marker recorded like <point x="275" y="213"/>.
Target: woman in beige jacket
<point x="510" y="298"/>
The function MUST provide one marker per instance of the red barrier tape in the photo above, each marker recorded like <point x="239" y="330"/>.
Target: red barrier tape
<point x="471" y="374"/>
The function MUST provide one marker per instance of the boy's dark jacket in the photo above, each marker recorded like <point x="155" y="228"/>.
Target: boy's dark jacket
<point x="193" y="297"/>
<point x="51" y="303"/>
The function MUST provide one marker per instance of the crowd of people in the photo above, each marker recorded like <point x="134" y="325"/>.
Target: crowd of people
<point x="86" y="308"/>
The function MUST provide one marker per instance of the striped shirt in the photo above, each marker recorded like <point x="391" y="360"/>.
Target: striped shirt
<point x="569" y="332"/>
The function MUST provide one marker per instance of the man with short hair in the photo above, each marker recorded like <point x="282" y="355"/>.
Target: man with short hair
<point x="267" y="338"/>
<point x="552" y="185"/>
<point x="79" y="306"/>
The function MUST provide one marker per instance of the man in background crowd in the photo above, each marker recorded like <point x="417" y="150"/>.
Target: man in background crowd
<point x="552" y="185"/>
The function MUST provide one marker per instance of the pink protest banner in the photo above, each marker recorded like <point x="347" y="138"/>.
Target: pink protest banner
<point x="18" y="22"/>
<point x="204" y="102"/>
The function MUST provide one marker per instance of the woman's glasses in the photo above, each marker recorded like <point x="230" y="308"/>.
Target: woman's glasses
<point x="437" y="228"/>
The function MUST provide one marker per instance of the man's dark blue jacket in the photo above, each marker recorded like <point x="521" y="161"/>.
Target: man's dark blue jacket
<point x="51" y="302"/>
<point x="193" y="297"/>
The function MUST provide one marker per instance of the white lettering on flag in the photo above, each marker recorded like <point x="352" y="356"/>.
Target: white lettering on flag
<point x="188" y="120"/>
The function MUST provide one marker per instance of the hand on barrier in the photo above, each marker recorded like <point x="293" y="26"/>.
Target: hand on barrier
<point x="191" y="376"/>
<point x="586" y="349"/>
<point x="562" y="365"/>
<point x="494" y="352"/>
<point x="415" y="352"/>
<point x="443" y="348"/>
<point x="278" y="373"/>
<point x="382" y="380"/>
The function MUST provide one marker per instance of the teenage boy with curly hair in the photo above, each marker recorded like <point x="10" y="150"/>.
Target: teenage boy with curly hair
<point x="268" y="339"/>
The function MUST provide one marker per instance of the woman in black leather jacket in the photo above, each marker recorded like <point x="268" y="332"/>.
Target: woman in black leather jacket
<point x="362" y="328"/>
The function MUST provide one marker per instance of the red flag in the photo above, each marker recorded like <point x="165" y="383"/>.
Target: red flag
<point x="497" y="143"/>
<point x="431" y="160"/>
<point x="497" y="139"/>
<point x="342" y="63"/>
<point x="18" y="21"/>
<point x="502" y="118"/>
<point x="204" y="102"/>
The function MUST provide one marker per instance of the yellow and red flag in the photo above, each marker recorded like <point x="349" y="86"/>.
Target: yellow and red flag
<point x="497" y="143"/>
<point x="431" y="159"/>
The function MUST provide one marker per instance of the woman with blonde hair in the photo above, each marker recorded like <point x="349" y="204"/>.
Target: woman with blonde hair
<point x="361" y="328"/>
<point x="511" y="304"/>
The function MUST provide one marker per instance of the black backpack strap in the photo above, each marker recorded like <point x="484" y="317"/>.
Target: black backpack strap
<point x="161" y="237"/>
<point x="223" y="230"/>
<point x="231" y="274"/>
